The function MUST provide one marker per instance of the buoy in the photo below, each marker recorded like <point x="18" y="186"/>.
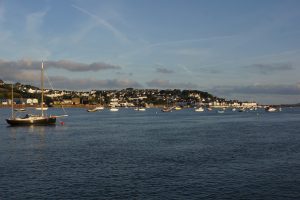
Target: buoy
<point x="62" y="123"/>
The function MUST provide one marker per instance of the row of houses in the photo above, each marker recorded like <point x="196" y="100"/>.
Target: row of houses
<point x="127" y="97"/>
<point x="29" y="101"/>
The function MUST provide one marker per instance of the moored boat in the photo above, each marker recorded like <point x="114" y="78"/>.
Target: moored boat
<point x="28" y="119"/>
<point x="20" y="109"/>
<point x="200" y="109"/>
<point x="167" y="109"/>
<point x="270" y="109"/>
<point x="177" y="108"/>
<point x="95" y="109"/>
<point x="40" y="108"/>
<point x="114" y="109"/>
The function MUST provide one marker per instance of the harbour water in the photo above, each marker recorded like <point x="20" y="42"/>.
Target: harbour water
<point x="153" y="155"/>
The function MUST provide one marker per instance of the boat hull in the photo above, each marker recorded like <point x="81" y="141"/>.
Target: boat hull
<point x="30" y="122"/>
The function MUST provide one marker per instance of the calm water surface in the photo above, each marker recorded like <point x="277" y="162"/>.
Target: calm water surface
<point x="153" y="155"/>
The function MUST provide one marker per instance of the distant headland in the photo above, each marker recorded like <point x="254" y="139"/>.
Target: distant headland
<point x="30" y="95"/>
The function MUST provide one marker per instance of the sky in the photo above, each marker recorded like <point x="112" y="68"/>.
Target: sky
<point x="245" y="50"/>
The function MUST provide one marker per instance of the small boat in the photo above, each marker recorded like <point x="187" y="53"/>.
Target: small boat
<point x="95" y="109"/>
<point x="114" y="109"/>
<point x="242" y="110"/>
<point x="40" y="108"/>
<point x="221" y="111"/>
<point x="233" y="109"/>
<point x="20" y="109"/>
<point x="200" y="109"/>
<point x="177" y="108"/>
<point x="140" y="109"/>
<point x="270" y="109"/>
<point x="166" y="109"/>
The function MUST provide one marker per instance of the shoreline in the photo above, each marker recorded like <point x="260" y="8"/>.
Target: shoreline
<point x="87" y="106"/>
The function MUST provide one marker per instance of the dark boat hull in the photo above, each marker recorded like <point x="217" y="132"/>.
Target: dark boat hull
<point x="30" y="122"/>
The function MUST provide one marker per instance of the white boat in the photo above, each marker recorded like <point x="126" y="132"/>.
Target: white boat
<point x="221" y="111"/>
<point x="141" y="109"/>
<point x="20" y="109"/>
<point x="114" y="109"/>
<point x="177" y="108"/>
<point x="95" y="109"/>
<point x="270" y="109"/>
<point x="40" y="108"/>
<point x="200" y="109"/>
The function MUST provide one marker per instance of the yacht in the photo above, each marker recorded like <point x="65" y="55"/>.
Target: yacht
<point x="200" y="109"/>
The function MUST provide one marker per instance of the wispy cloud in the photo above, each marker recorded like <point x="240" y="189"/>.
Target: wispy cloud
<point x="180" y="42"/>
<point x="117" y="33"/>
<point x="27" y="64"/>
<point x="166" y="84"/>
<point x="79" y="67"/>
<point x="282" y="89"/>
<point x="85" y="84"/>
<point x="270" y="68"/>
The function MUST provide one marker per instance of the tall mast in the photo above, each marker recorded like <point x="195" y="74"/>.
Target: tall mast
<point x="12" y="100"/>
<point x="42" y="86"/>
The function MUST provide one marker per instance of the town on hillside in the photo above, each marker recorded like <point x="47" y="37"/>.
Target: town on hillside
<point x="29" y="95"/>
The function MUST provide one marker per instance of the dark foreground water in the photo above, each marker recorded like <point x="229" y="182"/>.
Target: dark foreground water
<point x="153" y="155"/>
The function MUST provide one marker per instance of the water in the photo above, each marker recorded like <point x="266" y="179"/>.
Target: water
<point x="153" y="155"/>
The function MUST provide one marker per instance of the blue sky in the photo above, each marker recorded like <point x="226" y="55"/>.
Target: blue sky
<point x="247" y="50"/>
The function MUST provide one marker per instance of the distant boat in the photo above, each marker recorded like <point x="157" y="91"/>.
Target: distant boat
<point x="140" y="109"/>
<point x="177" y="108"/>
<point x="242" y="110"/>
<point x="166" y="109"/>
<point x="221" y="111"/>
<point x="200" y="109"/>
<point x="20" y="109"/>
<point x="40" y="108"/>
<point x="28" y="119"/>
<point x="114" y="109"/>
<point x="270" y="109"/>
<point x="95" y="109"/>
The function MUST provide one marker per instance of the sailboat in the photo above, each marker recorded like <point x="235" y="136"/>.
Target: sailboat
<point x="138" y="108"/>
<point x="168" y="108"/>
<point x="98" y="108"/>
<point x="28" y="119"/>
